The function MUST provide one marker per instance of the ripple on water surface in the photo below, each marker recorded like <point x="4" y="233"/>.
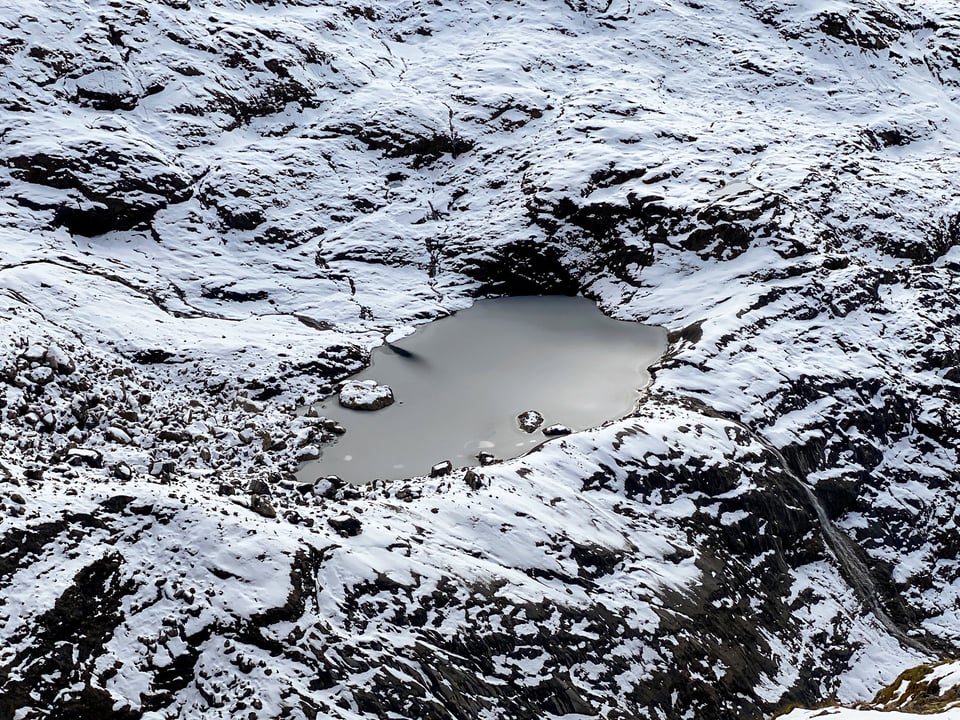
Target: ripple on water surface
<point x="461" y="382"/>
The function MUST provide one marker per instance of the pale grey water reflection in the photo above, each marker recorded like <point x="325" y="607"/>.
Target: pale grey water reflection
<point x="469" y="375"/>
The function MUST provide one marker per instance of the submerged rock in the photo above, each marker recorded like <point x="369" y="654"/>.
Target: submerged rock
<point x="365" y="395"/>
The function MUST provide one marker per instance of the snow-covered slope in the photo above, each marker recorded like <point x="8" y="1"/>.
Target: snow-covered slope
<point x="212" y="211"/>
<point x="925" y="691"/>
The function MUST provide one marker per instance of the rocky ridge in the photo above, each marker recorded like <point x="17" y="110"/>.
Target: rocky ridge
<point x="212" y="211"/>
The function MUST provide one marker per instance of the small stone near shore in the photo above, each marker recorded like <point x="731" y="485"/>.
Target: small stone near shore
<point x="529" y="420"/>
<point x="345" y="525"/>
<point x="486" y="458"/>
<point x="441" y="469"/>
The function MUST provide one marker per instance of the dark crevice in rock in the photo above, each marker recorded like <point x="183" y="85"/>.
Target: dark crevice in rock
<point x="422" y="149"/>
<point x="225" y="293"/>
<point x="521" y="269"/>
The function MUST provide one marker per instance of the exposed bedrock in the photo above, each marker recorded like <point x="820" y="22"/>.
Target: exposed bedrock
<point x="104" y="184"/>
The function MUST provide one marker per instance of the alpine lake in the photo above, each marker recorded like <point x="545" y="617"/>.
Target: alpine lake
<point x="485" y="384"/>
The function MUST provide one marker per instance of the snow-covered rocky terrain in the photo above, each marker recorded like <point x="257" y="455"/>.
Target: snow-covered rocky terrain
<point x="212" y="210"/>
<point x="927" y="691"/>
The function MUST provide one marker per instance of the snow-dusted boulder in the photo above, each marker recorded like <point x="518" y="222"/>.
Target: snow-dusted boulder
<point x="529" y="420"/>
<point x="59" y="360"/>
<point x="105" y="89"/>
<point x="365" y="395"/>
<point x="441" y="468"/>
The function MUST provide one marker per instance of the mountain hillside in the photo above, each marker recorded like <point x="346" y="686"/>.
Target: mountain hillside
<point x="213" y="210"/>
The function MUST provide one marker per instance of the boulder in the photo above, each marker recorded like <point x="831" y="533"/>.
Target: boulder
<point x="473" y="480"/>
<point x="84" y="456"/>
<point x="365" y="395"/>
<point x="441" y="469"/>
<point x="326" y="487"/>
<point x="95" y="184"/>
<point x="529" y="420"/>
<point x="118" y="435"/>
<point x="256" y="486"/>
<point x="345" y="525"/>
<point x="58" y="360"/>
<point x="261" y="505"/>
<point x="105" y="88"/>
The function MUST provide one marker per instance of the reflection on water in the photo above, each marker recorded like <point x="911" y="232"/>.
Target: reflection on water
<point x="461" y="382"/>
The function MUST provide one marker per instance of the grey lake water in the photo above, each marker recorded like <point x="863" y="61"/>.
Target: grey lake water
<point x="461" y="382"/>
